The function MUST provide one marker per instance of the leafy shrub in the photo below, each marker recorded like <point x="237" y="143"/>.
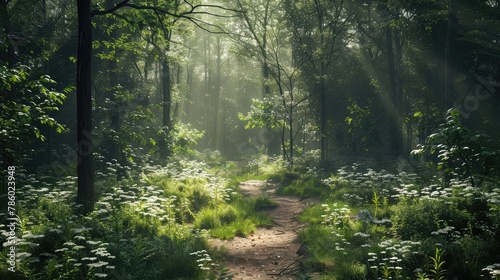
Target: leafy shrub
<point x="470" y="154"/>
<point x="420" y="218"/>
<point x="20" y="123"/>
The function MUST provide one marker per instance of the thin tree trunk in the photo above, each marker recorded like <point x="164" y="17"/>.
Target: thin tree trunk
<point x="290" y="124"/>
<point x="216" y="96"/>
<point x="400" y="100"/>
<point x="115" y="150"/>
<point x="393" y="111"/>
<point x="187" y="94"/>
<point x="448" y="58"/>
<point x="166" y="103"/>
<point x="206" y="68"/>
<point x="324" y="155"/>
<point x="85" y="167"/>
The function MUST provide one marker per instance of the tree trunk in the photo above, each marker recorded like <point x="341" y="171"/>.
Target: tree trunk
<point x="216" y="96"/>
<point x="393" y="111"/>
<point x="187" y="94"/>
<point x="290" y="124"/>
<point x="85" y="168"/>
<point x="115" y="150"/>
<point x="403" y="148"/>
<point x="324" y="155"/>
<point x="208" y="76"/>
<point x="165" y="150"/>
<point x="448" y="58"/>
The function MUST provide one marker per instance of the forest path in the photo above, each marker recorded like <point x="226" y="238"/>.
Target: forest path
<point x="268" y="253"/>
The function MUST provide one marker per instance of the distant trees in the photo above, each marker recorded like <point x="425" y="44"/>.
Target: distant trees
<point x="370" y="59"/>
<point x="319" y="31"/>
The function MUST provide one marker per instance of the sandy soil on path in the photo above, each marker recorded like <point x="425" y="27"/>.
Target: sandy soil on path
<point x="269" y="253"/>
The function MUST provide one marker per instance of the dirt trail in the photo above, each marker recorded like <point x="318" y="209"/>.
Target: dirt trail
<point x="269" y="253"/>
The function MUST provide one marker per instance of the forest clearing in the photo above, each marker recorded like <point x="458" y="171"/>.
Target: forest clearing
<point x="266" y="139"/>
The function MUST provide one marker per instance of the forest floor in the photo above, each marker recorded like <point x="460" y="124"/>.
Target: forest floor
<point x="268" y="253"/>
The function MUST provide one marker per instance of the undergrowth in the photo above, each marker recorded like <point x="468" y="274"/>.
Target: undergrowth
<point x="382" y="225"/>
<point x="154" y="225"/>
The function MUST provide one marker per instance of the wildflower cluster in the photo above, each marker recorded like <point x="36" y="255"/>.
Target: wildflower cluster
<point x="388" y="263"/>
<point x="493" y="270"/>
<point x="136" y="224"/>
<point x="204" y="260"/>
<point x="335" y="217"/>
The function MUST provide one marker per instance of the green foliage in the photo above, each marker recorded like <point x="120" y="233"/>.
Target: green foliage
<point x="265" y="166"/>
<point x="414" y="215"/>
<point x="26" y="103"/>
<point x="420" y="218"/>
<point x="437" y="272"/>
<point x="304" y="186"/>
<point x="263" y="203"/>
<point x="361" y="128"/>
<point x="138" y="229"/>
<point x="184" y="137"/>
<point x="471" y="154"/>
<point x="268" y="112"/>
<point x="376" y="203"/>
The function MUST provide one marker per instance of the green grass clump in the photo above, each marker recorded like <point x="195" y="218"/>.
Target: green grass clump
<point x="207" y="219"/>
<point x="263" y="203"/>
<point x="244" y="227"/>
<point x="239" y="218"/>
<point x="304" y="187"/>
<point x="240" y="227"/>
<point x="224" y="232"/>
<point x="312" y="214"/>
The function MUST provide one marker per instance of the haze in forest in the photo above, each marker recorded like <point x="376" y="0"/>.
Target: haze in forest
<point x="104" y="93"/>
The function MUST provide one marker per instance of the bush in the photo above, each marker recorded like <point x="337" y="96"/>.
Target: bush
<point x="419" y="219"/>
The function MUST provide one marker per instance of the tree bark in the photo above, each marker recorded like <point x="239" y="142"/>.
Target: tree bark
<point x="207" y="80"/>
<point x="166" y="102"/>
<point x="85" y="168"/>
<point x="216" y="97"/>
<point x="448" y="58"/>
<point x="403" y="148"/>
<point x="324" y="154"/>
<point x="393" y="111"/>
<point x="115" y="150"/>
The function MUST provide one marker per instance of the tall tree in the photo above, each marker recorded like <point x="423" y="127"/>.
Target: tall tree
<point x="320" y="31"/>
<point x="85" y="163"/>
<point x="256" y="17"/>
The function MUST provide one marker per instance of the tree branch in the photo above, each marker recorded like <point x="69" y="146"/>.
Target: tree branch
<point x="110" y="10"/>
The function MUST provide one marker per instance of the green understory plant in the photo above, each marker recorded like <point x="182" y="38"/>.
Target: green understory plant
<point x="470" y="154"/>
